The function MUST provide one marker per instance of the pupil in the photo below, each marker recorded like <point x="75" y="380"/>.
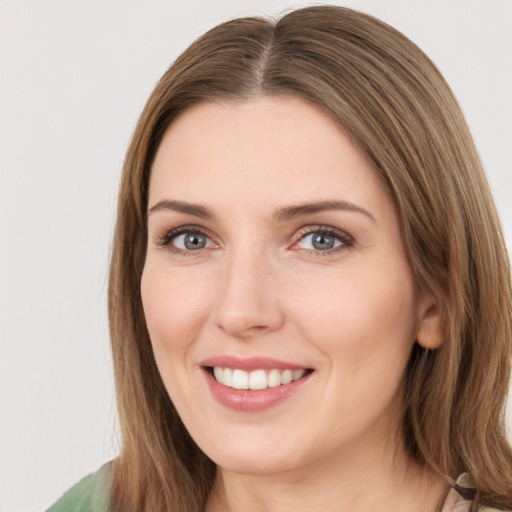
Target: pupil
<point x="195" y="241"/>
<point x="323" y="242"/>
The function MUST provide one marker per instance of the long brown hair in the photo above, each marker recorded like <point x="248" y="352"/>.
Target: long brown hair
<point x="393" y="102"/>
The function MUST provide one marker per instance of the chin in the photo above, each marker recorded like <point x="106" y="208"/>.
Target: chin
<point x="254" y="458"/>
<point x="253" y="464"/>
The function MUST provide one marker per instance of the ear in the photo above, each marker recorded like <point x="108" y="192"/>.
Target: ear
<point x="428" y="333"/>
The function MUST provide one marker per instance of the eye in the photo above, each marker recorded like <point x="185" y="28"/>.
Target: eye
<point x="326" y="240"/>
<point x="190" y="241"/>
<point x="319" y="242"/>
<point x="186" y="240"/>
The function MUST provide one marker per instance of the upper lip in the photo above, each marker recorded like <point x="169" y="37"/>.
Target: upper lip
<point x="250" y="363"/>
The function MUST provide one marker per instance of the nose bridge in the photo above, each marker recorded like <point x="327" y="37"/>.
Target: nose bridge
<point x="247" y="302"/>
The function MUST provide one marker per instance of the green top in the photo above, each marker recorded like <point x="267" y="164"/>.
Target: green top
<point x="91" y="494"/>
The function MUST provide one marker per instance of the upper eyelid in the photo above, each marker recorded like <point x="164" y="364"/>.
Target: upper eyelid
<point x="306" y="230"/>
<point x="187" y="228"/>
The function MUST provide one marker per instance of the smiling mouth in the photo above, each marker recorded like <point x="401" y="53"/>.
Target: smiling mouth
<point x="257" y="379"/>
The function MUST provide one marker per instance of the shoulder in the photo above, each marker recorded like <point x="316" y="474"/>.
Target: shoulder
<point x="456" y="502"/>
<point x="91" y="494"/>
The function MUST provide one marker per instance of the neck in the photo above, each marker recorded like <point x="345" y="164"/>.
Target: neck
<point x="378" y="482"/>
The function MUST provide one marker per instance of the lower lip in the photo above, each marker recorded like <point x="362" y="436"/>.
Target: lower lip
<point x="247" y="400"/>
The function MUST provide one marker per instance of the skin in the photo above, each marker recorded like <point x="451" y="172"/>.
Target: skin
<point x="259" y="287"/>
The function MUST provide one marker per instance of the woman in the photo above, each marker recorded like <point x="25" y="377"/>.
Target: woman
<point x="310" y="299"/>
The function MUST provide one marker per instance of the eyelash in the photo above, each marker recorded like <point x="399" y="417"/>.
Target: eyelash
<point x="168" y="237"/>
<point x="346" y="241"/>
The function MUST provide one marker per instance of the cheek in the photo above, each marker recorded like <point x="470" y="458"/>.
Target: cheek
<point x="363" y="324"/>
<point x="360" y="315"/>
<point x="175" y="308"/>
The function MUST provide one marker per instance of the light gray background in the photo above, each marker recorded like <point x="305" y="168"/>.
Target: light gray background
<point x="74" y="76"/>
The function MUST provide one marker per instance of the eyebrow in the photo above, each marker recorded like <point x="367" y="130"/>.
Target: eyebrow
<point x="282" y="214"/>
<point x="182" y="207"/>
<point x="294" y="211"/>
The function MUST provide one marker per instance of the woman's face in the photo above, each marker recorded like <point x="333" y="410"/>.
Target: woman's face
<point x="275" y="263"/>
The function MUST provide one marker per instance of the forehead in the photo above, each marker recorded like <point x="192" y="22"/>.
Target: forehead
<point x="266" y="149"/>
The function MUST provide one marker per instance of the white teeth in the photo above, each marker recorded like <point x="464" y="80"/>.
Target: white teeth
<point x="228" y="377"/>
<point x="240" y="379"/>
<point x="257" y="379"/>
<point x="297" y="374"/>
<point x="286" y="377"/>
<point x="273" y="378"/>
<point x="218" y="373"/>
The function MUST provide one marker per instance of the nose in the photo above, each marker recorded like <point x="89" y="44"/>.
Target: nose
<point x="247" y="302"/>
